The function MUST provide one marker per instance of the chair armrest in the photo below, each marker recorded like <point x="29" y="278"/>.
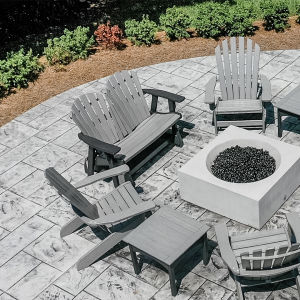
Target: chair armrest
<point x="164" y="94"/>
<point x="210" y="90"/>
<point x="99" y="145"/>
<point x="225" y="248"/>
<point x="103" y="175"/>
<point x="294" y="223"/>
<point x="120" y="216"/>
<point x="266" y="89"/>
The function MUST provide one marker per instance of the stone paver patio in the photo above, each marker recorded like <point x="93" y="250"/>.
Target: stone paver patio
<point x="35" y="263"/>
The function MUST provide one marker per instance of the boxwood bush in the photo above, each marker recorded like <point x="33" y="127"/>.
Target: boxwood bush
<point x="142" y="32"/>
<point x="70" y="46"/>
<point x="175" y="22"/>
<point x="275" y="14"/>
<point x="215" y="19"/>
<point x="212" y="19"/>
<point x="240" y="19"/>
<point x="17" y="70"/>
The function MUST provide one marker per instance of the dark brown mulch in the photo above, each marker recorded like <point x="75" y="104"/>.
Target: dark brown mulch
<point x="106" y="62"/>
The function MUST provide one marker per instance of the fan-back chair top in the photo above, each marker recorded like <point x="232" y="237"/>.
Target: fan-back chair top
<point x="115" y="117"/>
<point x="238" y="69"/>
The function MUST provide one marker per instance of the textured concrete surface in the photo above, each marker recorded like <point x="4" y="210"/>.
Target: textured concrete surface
<point x="35" y="263"/>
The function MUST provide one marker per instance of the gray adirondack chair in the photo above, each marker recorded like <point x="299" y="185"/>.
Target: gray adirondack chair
<point x="113" y="212"/>
<point x="121" y="126"/>
<point x="243" y="92"/>
<point x="262" y="257"/>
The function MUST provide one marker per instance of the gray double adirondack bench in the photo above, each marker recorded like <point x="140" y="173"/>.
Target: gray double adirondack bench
<point x="120" y="126"/>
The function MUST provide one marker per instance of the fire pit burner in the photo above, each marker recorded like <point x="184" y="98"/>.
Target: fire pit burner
<point x="243" y="164"/>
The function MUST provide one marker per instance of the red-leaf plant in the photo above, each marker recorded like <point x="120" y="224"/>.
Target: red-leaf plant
<point x="108" y="36"/>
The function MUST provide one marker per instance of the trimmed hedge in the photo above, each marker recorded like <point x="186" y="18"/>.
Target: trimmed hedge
<point x="17" y="70"/>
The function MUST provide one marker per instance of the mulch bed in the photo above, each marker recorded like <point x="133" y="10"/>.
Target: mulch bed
<point x="106" y="62"/>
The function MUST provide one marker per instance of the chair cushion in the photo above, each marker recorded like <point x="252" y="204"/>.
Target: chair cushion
<point x="239" y="106"/>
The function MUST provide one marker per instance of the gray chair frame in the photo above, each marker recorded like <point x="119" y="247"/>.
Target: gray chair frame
<point x="114" y="212"/>
<point x="243" y="91"/>
<point x="262" y="257"/>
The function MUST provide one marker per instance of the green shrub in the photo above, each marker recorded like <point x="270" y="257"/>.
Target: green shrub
<point x="215" y="19"/>
<point x="298" y="13"/>
<point x="175" y="22"/>
<point x="212" y="19"/>
<point x="142" y="32"/>
<point x="17" y="70"/>
<point x="240" y="20"/>
<point x="275" y="14"/>
<point x="70" y="46"/>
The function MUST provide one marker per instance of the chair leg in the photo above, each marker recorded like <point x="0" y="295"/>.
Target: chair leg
<point x="91" y="161"/>
<point x="172" y="281"/>
<point x="298" y="284"/>
<point x="238" y="288"/>
<point x="136" y="267"/>
<point x="279" y="123"/>
<point x="264" y="120"/>
<point x="99" y="250"/>
<point x="111" y="165"/>
<point x="215" y="122"/>
<point x="71" y="226"/>
<point x="177" y="137"/>
<point x="205" y="250"/>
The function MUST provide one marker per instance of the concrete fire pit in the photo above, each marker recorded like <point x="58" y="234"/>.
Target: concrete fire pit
<point x="249" y="203"/>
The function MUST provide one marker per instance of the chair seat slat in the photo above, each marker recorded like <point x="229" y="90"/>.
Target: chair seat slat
<point x="267" y="264"/>
<point x="257" y="263"/>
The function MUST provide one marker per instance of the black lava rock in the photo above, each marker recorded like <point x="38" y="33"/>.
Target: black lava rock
<point x="243" y="164"/>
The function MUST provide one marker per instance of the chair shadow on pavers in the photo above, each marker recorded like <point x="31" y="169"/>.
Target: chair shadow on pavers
<point x="263" y="257"/>
<point x="119" y="126"/>
<point x="117" y="213"/>
<point x="245" y="95"/>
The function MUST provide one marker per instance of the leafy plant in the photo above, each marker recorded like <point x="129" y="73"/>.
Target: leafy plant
<point x="275" y="14"/>
<point x="142" y="32"/>
<point x="175" y="22"/>
<point x="69" y="47"/>
<point x="17" y="70"/>
<point x="212" y="20"/>
<point x="108" y="36"/>
<point x="240" y="20"/>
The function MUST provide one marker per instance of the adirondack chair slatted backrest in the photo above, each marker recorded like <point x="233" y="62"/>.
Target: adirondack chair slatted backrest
<point x="91" y="114"/>
<point x="238" y="69"/>
<point x="271" y="258"/>
<point x="126" y="98"/>
<point x="74" y="197"/>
